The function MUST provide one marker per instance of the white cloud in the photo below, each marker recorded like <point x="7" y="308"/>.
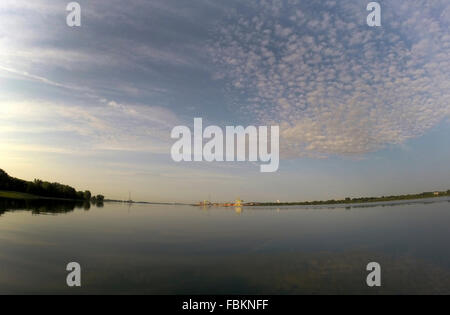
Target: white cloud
<point x="335" y="85"/>
<point x="106" y="125"/>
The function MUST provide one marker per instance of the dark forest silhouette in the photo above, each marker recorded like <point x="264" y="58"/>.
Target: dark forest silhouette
<point x="44" y="189"/>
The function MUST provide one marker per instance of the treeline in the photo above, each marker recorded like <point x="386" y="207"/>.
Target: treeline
<point x="45" y="189"/>
<point x="360" y="200"/>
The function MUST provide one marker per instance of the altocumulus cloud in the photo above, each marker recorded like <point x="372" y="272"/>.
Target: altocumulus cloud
<point x="334" y="85"/>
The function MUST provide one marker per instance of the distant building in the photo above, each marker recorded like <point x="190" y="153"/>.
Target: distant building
<point x="205" y="203"/>
<point x="436" y="193"/>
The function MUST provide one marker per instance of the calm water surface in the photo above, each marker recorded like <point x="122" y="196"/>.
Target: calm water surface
<point x="159" y="249"/>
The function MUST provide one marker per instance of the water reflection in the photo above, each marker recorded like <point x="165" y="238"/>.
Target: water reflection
<point x="165" y="249"/>
<point x="44" y="206"/>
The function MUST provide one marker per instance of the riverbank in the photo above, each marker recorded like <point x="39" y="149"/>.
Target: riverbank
<point x="17" y="195"/>
<point x="24" y="196"/>
<point x="424" y="195"/>
<point x="360" y="200"/>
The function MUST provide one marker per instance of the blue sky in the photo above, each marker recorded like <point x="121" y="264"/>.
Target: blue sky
<point x="361" y="110"/>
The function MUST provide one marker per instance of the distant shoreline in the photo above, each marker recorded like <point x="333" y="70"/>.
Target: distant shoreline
<point x="147" y="202"/>
<point x="362" y="200"/>
<point x="424" y="195"/>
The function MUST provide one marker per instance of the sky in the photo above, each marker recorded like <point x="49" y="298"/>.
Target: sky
<point x="363" y="111"/>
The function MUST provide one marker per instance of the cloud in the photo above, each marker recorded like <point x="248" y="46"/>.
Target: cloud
<point x="37" y="78"/>
<point x="105" y="125"/>
<point x="334" y="85"/>
<point x="141" y="44"/>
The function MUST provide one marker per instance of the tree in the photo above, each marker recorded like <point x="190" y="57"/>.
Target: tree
<point x="3" y="176"/>
<point x="41" y="188"/>
<point x="80" y="195"/>
<point x="87" y="195"/>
